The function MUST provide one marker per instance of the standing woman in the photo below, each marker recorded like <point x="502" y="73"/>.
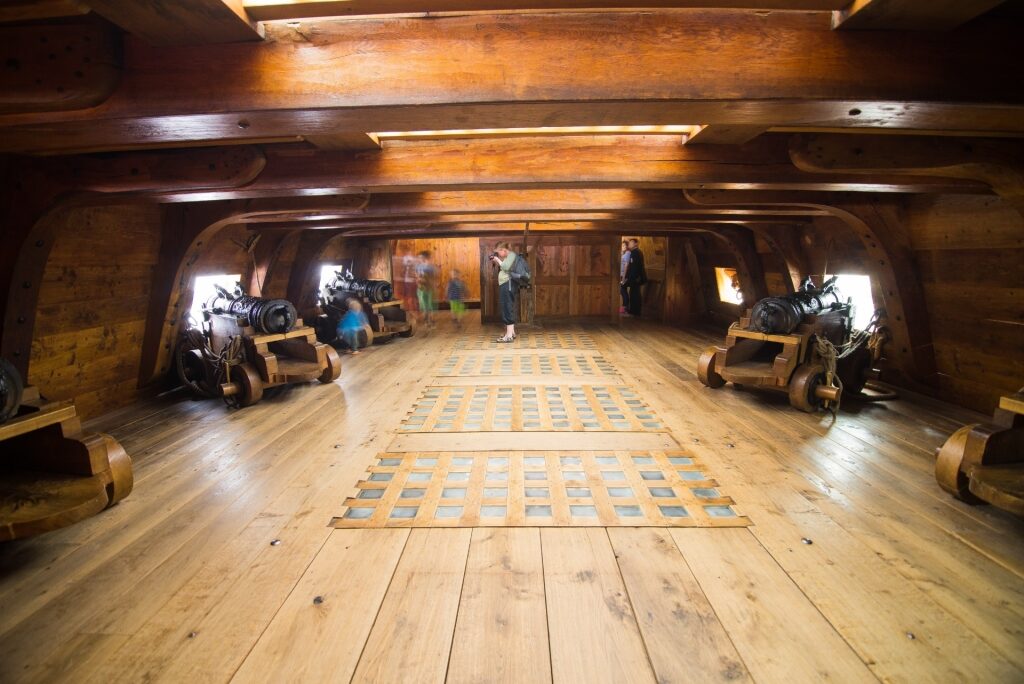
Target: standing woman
<point x="623" y="265"/>
<point x="504" y="257"/>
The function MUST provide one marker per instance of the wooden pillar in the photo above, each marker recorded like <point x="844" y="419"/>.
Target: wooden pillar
<point x="30" y="207"/>
<point x="265" y="256"/>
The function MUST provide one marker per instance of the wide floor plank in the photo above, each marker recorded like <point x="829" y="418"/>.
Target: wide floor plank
<point x="684" y="638"/>
<point x="501" y="634"/>
<point x="412" y="638"/>
<point x="318" y="634"/>
<point x="594" y="633"/>
<point x="780" y="635"/>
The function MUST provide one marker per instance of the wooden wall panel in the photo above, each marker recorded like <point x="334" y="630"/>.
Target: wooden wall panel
<point x="970" y="252"/>
<point x="684" y="299"/>
<point x="573" y="276"/>
<point x="448" y="253"/>
<point x="92" y="306"/>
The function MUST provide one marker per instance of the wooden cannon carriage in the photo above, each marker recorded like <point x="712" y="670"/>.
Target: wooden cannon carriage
<point x="52" y="473"/>
<point x="816" y="358"/>
<point x="247" y="344"/>
<point x="984" y="462"/>
<point x="386" y="316"/>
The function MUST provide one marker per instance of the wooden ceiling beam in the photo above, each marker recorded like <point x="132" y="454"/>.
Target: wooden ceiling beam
<point x="998" y="163"/>
<point x="633" y="173"/>
<point x="910" y="15"/>
<point x="538" y="219"/>
<point x="568" y="162"/>
<point x="276" y="10"/>
<point x="330" y="77"/>
<point x="621" y="201"/>
<point x="475" y="229"/>
<point x="181" y="22"/>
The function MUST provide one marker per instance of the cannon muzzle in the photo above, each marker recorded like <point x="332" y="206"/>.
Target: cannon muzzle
<point x="345" y="286"/>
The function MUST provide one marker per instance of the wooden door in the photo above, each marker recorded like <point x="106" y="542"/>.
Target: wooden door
<point x="574" y="277"/>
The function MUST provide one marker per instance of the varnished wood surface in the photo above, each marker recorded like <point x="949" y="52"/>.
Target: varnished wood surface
<point x="400" y="78"/>
<point x="181" y="581"/>
<point x="276" y="10"/>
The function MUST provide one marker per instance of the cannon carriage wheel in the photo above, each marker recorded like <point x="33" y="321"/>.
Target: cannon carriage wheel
<point x="333" y="370"/>
<point x="803" y="387"/>
<point x="706" y="369"/>
<point x="11" y="390"/>
<point x="250" y="385"/>
<point x="948" y="461"/>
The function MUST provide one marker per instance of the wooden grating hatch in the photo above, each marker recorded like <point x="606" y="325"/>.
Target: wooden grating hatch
<point x="536" y="488"/>
<point x="560" y="339"/>
<point x="485" y="408"/>
<point x="577" y="364"/>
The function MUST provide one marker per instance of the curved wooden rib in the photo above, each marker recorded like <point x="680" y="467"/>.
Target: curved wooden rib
<point x="876" y="223"/>
<point x="42" y="190"/>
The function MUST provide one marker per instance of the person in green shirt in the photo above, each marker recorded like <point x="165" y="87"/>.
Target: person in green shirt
<point x="504" y="257"/>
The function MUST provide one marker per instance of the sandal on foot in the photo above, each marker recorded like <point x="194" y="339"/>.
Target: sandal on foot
<point x="506" y="339"/>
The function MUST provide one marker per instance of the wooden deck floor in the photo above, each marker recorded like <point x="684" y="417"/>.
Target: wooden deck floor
<point x="856" y="567"/>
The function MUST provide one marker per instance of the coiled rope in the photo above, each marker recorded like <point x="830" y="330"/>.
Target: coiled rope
<point x="221" y="362"/>
<point x="873" y="336"/>
<point x="829" y="356"/>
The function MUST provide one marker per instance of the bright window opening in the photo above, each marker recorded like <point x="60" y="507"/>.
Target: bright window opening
<point x="203" y="290"/>
<point x="857" y="288"/>
<point x="682" y="129"/>
<point x="327" y="273"/>
<point x="728" y="285"/>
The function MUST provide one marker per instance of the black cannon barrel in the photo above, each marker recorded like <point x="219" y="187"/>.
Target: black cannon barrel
<point x="269" y="316"/>
<point x="372" y="290"/>
<point x="781" y="315"/>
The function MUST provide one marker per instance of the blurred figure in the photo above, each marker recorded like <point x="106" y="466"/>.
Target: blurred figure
<point x="456" y="296"/>
<point x="352" y="324"/>
<point x="426" y="282"/>
<point x="623" y="265"/>
<point x="408" y="282"/>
